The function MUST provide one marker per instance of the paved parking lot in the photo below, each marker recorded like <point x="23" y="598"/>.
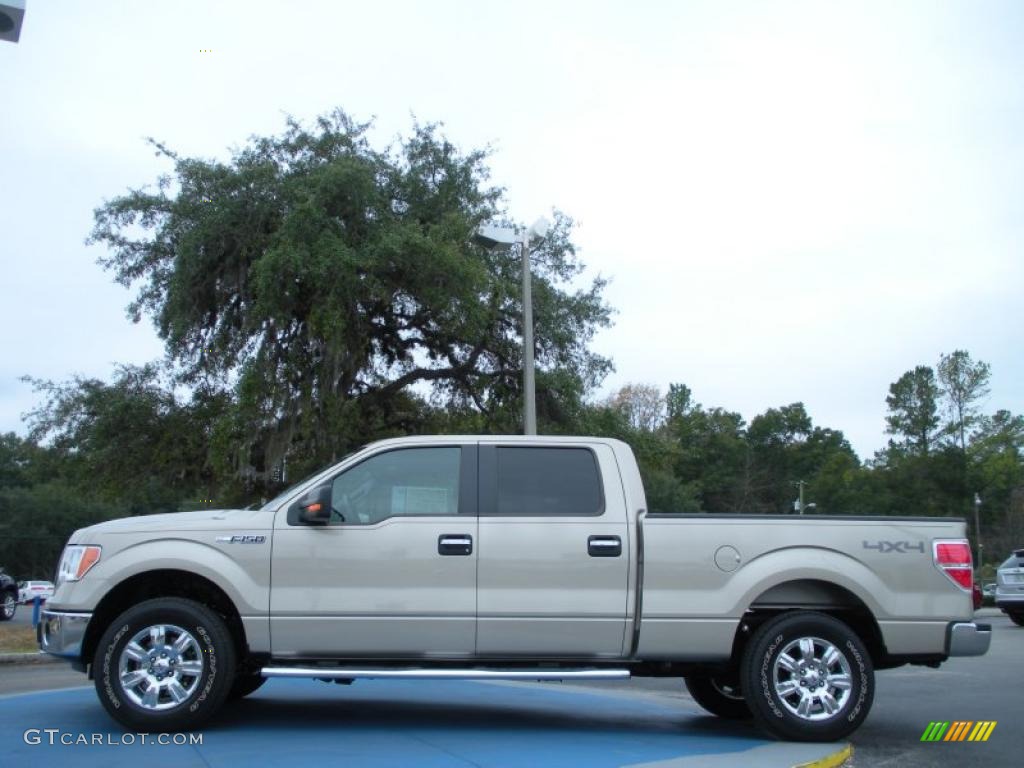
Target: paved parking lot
<point x="984" y="688"/>
<point x="23" y="615"/>
<point x="908" y="698"/>
<point x="400" y="723"/>
<point x="380" y="723"/>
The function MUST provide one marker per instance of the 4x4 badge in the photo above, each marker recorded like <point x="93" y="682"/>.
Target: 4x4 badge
<point x="895" y="546"/>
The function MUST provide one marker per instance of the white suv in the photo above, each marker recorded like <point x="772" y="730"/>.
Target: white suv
<point x="1010" y="587"/>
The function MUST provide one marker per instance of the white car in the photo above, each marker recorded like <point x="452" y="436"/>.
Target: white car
<point x="29" y="590"/>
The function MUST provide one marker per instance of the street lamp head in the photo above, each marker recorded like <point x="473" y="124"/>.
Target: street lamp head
<point x="12" y="12"/>
<point x="499" y="236"/>
<point x="495" y="236"/>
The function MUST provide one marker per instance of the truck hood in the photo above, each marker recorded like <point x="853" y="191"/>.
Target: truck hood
<point x="201" y="520"/>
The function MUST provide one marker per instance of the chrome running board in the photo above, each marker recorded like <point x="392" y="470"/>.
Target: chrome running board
<point x="345" y="673"/>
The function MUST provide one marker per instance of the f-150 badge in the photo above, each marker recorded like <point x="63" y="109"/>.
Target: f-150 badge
<point x="242" y="539"/>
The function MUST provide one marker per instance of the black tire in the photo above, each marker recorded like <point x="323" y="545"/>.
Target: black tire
<point x="244" y="685"/>
<point x="8" y="605"/>
<point x="206" y="651"/>
<point x="720" y="696"/>
<point x="1017" y="618"/>
<point x="846" y="680"/>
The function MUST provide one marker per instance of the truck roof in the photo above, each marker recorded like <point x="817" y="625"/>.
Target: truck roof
<point x="527" y="439"/>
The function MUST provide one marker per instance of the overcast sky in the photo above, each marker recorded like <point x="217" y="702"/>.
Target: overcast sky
<point x="794" y="201"/>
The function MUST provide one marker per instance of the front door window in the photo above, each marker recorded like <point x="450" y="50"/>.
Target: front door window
<point x="403" y="483"/>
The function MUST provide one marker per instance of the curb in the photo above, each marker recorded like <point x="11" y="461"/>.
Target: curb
<point x="28" y="658"/>
<point x="834" y="760"/>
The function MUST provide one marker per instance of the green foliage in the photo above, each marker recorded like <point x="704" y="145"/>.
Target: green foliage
<point x="131" y="446"/>
<point x="667" y="493"/>
<point x="726" y="465"/>
<point x="655" y="451"/>
<point x="996" y="473"/>
<point x="964" y="382"/>
<point x="641" y="405"/>
<point x="712" y="454"/>
<point x="913" y="411"/>
<point x="21" y="462"/>
<point x="130" y="441"/>
<point x="843" y="485"/>
<point x="314" y="282"/>
<point x="940" y="465"/>
<point x="36" y="520"/>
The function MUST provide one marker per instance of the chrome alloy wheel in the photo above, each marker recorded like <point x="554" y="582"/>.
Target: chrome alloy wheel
<point x="812" y="678"/>
<point x="9" y="607"/>
<point x="160" y="667"/>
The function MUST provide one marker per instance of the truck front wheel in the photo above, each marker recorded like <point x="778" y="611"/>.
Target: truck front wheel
<point x="807" y="677"/>
<point x="164" y="665"/>
<point x="720" y="696"/>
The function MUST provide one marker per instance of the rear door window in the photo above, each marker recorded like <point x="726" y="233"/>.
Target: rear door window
<point x="547" y="482"/>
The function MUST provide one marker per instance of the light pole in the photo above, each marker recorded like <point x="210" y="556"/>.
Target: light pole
<point x="798" y="505"/>
<point x="492" y="236"/>
<point x="977" y="526"/>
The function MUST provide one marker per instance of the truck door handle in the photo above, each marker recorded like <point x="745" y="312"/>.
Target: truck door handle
<point x="454" y="544"/>
<point x="604" y="546"/>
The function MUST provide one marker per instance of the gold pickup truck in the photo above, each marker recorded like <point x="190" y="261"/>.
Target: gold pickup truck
<point x="529" y="558"/>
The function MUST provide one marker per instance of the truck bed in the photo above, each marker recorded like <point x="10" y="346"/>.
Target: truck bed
<point x="701" y="573"/>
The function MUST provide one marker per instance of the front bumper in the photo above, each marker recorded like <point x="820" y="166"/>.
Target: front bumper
<point x="61" y="634"/>
<point x="968" y="638"/>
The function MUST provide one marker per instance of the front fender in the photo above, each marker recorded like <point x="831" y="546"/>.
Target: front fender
<point x="243" y="572"/>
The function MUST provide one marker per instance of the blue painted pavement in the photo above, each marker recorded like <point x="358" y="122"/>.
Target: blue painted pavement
<point x="426" y="724"/>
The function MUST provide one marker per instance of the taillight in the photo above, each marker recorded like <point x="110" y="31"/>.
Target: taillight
<point x="953" y="558"/>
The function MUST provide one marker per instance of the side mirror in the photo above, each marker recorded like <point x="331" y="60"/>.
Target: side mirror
<point x="315" y="507"/>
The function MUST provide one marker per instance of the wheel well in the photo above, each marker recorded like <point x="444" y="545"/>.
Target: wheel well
<point x="813" y="595"/>
<point x="162" y="583"/>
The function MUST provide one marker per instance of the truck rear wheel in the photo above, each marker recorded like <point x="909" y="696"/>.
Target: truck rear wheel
<point x="807" y="677"/>
<point x="720" y="696"/>
<point x="1017" y="618"/>
<point x="164" y="665"/>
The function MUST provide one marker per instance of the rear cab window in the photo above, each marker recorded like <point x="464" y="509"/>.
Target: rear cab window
<point x="541" y="481"/>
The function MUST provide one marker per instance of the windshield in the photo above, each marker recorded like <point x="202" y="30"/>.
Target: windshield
<point x="291" y="488"/>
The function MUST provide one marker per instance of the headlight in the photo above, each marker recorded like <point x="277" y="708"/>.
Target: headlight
<point x="76" y="562"/>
